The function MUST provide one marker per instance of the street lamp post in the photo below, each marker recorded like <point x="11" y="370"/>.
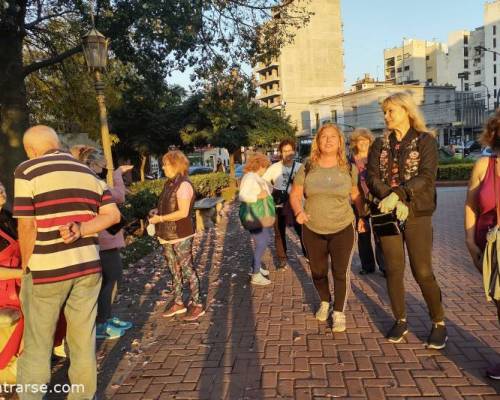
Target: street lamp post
<point x="95" y="49"/>
<point x="462" y="76"/>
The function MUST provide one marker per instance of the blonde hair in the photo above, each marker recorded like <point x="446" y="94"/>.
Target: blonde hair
<point x="405" y="100"/>
<point x="360" y="133"/>
<point x="341" y="153"/>
<point x="255" y="162"/>
<point x="177" y="160"/>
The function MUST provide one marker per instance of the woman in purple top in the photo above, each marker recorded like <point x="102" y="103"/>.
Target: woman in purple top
<point x="480" y="207"/>
<point x="360" y="141"/>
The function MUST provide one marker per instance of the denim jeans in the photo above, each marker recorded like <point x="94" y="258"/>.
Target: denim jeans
<point x="41" y="305"/>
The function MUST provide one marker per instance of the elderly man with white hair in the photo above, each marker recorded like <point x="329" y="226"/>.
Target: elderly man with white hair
<point x="61" y="206"/>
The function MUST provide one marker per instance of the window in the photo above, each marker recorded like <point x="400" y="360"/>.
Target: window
<point x="494" y="56"/>
<point x="477" y="84"/>
<point x="466" y="63"/>
<point x="494" y="42"/>
<point x="495" y="80"/>
<point x="495" y="93"/>
<point x="466" y="52"/>
<point x="494" y="29"/>
<point x="334" y="116"/>
<point x="436" y="100"/>
<point x="466" y="87"/>
<point x="494" y="68"/>
<point x="407" y="67"/>
<point x="477" y="72"/>
<point x="399" y="69"/>
<point x="427" y="57"/>
<point x="466" y="39"/>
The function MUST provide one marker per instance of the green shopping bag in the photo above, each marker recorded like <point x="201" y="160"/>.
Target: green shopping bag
<point x="259" y="214"/>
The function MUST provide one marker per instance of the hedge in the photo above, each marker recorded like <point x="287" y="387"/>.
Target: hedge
<point x="454" y="172"/>
<point x="144" y="195"/>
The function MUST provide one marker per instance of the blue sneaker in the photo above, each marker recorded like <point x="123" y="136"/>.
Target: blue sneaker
<point x="118" y="323"/>
<point x="108" y="332"/>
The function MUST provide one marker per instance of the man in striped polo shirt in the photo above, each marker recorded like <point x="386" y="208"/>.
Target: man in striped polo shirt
<point x="61" y="206"/>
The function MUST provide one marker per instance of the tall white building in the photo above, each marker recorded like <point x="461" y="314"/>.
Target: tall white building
<point x="491" y="61"/>
<point x="416" y="61"/>
<point x="441" y="64"/>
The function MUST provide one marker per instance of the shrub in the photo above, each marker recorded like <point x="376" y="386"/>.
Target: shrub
<point x="454" y="172"/>
<point x="144" y="195"/>
<point x="139" y="248"/>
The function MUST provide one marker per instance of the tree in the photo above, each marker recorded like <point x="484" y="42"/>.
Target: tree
<point x="233" y="119"/>
<point x="154" y="35"/>
<point x="148" y="120"/>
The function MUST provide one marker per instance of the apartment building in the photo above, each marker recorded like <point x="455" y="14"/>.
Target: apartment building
<point x="308" y="68"/>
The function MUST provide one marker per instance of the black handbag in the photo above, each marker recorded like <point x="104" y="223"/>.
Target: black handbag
<point x="385" y="224"/>
<point x="114" y="229"/>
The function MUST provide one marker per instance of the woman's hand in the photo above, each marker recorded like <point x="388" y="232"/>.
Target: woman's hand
<point x="302" y="218"/>
<point x="361" y="225"/>
<point x="262" y="195"/>
<point x="155" y="219"/>
<point x="476" y="254"/>
<point x="125" y="168"/>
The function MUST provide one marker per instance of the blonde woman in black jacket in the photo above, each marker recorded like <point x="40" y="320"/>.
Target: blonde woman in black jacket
<point x="402" y="169"/>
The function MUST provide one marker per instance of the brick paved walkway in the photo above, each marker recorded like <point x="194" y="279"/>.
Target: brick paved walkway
<point x="258" y="343"/>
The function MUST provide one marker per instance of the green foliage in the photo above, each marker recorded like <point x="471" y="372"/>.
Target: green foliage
<point x="138" y="204"/>
<point x="144" y="195"/>
<point x="139" y="248"/>
<point x="454" y="172"/>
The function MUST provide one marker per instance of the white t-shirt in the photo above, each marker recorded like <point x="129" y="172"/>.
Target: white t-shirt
<point x="250" y="187"/>
<point x="278" y="175"/>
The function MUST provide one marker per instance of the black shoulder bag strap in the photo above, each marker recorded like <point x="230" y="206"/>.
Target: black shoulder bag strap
<point x="290" y="177"/>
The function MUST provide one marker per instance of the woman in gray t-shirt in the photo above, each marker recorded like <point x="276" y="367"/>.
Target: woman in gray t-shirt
<point x="328" y="182"/>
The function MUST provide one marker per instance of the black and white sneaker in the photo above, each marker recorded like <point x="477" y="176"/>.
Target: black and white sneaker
<point x="398" y="331"/>
<point x="438" y="337"/>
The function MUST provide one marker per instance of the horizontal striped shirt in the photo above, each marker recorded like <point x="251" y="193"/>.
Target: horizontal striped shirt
<point x="56" y="189"/>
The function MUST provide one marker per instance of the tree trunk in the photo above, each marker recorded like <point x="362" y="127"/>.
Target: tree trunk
<point x="144" y="158"/>
<point x="232" y="175"/>
<point x="14" y="117"/>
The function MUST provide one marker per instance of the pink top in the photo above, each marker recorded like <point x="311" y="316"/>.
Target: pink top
<point x="108" y="241"/>
<point x="486" y="200"/>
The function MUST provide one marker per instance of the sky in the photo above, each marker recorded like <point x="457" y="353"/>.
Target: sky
<point x="370" y="26"/>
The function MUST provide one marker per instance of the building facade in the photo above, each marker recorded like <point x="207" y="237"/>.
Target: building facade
<point x="310" y="67"/>
<point x="416" y="61"/>
<point x="361" y="107"/>
<point x="439" y="63"/>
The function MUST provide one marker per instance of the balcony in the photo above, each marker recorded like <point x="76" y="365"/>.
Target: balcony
<point x="269" y="94"/>
<point x="260" y="67"/>
<point x="269" y="79"/>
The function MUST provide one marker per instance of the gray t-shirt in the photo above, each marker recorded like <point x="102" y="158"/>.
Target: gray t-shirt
<point x="328" y="202"/>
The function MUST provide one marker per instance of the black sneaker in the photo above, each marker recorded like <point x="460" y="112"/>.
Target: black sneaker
<point x="398" y="331"/>
<point x="438" y="337"/>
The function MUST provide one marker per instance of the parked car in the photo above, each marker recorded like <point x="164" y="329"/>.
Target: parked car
<point x="487" y="152"/>
<point x="199" y="169"/>
<point x="471" y="146"/>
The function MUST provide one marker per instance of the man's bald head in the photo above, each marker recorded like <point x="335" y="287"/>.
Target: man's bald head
<point x="39" y="139"/>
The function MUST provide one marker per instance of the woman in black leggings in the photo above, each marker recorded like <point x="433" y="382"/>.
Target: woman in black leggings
<point x="402" y="169"/>
<point x="327" y="181"/>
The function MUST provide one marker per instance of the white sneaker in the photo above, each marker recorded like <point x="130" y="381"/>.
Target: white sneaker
<point x="338" y="322"/>
<point x="323" y="311"/>
<point x="264" y="272"/>
<point x="258" y="279"/>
